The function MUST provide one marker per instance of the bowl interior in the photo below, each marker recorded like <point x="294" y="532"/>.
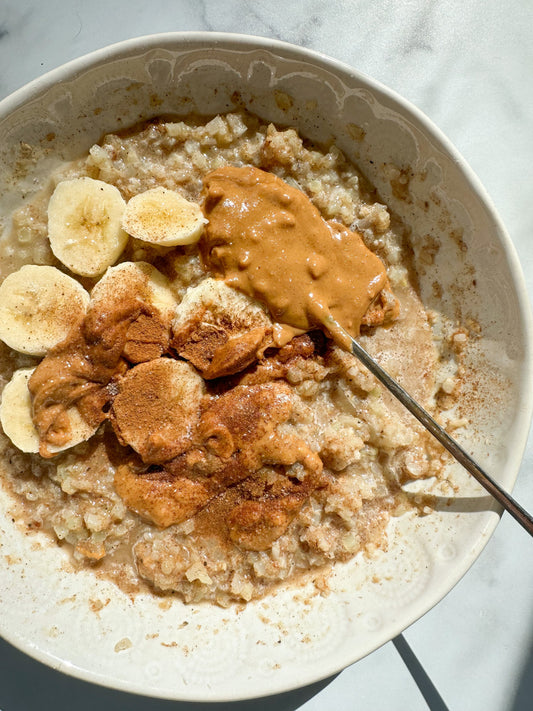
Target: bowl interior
<point x="205" y="653"/>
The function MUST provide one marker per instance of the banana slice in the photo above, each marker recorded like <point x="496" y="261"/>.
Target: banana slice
<point x="163" y="217"/>
<point x="78" y="431"/>
<point x="128" y="284"/>
<point x="216" y="303"/>
<point x="157" y="408"/>
<point x="137" y="279"/>
<point x="84" y="225"/>
<point x="15" y="412"/>
<point x="38" y="307"/>
<point x="17" y="422"/>
<point x="219" y="330"/>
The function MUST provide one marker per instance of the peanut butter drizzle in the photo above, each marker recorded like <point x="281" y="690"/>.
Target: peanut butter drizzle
<point x="266" y="239"/>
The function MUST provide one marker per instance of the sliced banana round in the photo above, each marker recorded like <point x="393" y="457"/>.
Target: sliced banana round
<point x="157" y="408"/>
<point x="135" y="279"/>
<point x="39" y="305"/>
<point x="17" y="422"/>
<point x="219" y="330"/>
<point x="163" y="217"/>
<point x="78" y="431"/>
<point x="84" y="229"/>
<point x="15" y="412"/>
<point x="213" y="301"/>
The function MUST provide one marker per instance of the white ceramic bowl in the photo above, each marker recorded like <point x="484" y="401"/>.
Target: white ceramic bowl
<point x="278" y="643"/>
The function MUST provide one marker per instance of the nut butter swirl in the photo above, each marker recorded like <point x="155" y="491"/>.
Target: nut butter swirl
<point x="266" y="239"/>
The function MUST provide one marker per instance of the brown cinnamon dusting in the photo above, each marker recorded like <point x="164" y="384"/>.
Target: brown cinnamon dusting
<point x="199" y="343"/>
<point x="150" y="411"/>
<point x="276" y="364"/>
<point x="147" y="338"/>
<point x="215" y="352"/>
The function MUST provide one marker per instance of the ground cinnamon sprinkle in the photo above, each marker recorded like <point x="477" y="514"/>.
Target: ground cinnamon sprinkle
<point x="157" y="407"/>
<point x="147" y="338"/>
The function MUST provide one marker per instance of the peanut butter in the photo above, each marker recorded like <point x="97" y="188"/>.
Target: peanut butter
<point x="266" y="239"/>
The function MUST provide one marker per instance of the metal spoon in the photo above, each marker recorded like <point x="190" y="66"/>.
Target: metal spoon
<point x="502" y="497"/>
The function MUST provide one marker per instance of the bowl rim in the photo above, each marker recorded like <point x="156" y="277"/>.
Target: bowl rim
<point x="202" y="39"/>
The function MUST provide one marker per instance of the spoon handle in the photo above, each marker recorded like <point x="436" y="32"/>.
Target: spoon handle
<point x="502" y="497"/>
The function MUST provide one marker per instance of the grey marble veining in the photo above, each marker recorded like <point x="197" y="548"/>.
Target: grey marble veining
<point x="468" y="66"/>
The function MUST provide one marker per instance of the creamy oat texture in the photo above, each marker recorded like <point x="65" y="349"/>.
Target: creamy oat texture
<point x="351" y="446"/>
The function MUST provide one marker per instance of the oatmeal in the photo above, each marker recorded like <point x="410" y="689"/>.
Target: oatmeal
<point x="196" y="431"/>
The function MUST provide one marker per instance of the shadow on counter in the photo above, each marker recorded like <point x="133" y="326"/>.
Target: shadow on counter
<point x="26" y="684"/>
<point x="523" y="699"/>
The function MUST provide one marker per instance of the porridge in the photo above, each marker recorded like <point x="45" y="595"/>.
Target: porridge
<point x="176" y="411"/>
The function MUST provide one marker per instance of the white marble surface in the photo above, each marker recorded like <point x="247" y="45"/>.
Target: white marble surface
<point x="468" y="65"/>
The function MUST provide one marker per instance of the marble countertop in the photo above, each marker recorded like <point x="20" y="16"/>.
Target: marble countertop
<point x="468" y="65"/>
